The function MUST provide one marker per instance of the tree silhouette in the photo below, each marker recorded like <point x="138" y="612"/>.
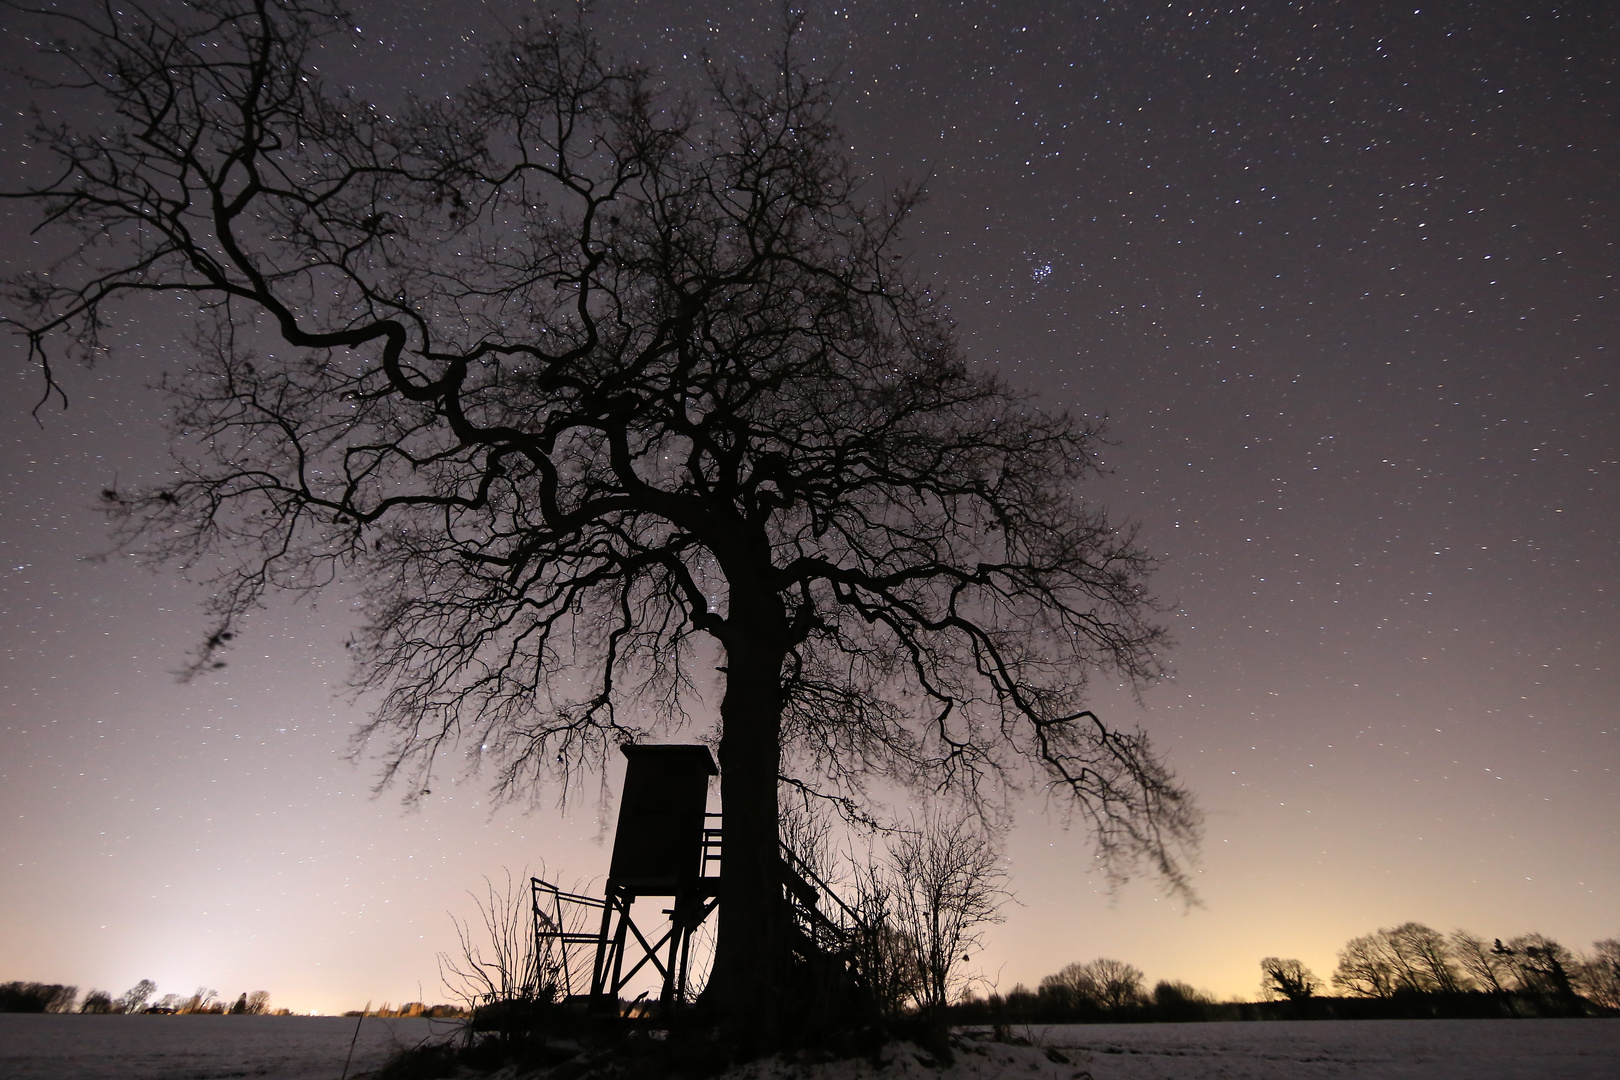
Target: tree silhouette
<point x="134" y="999"/>
<point x="1073" y="987"/>
<point x="1283" y="978"/>
<point x="1600" y="974"/>
<point x="948" y="884"/>
<point x="1366" y="968"/>
<point x="1482" y="967"/>
<point x="588" y="390"/>
<point x="1542" y="967"/>
<point x="1103" y="983"/>
<point x="96" y="1001"/>
<point x="1119" y="984"/>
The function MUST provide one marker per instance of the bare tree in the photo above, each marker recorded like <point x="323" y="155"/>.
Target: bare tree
<point x="1118" y="983"/>
<point x="1074" y="986"/>
<point x="1287" y="979"/>
<point x="1599" y="978"/>
<point x="1365" y="967"/>
<point x="1424" y="957"/>
<point x="1541" y="966"/>
<point x="887" y="956"/>
<point x="1103" y="983"/>
<point x="1483" y="966"/>
<point x="588" y="391"/>
<point x="1409" y="957"/>
<point x="949" y="884"/>
<point x="135" y="998"/>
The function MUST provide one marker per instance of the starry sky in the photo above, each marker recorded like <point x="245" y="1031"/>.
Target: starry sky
<point x="1340" y="275"/>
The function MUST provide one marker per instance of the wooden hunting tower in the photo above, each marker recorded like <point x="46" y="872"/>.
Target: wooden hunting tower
<point x="668" y="844"/>
<point x="665" y="845"/>
<point x="659" y="844"/>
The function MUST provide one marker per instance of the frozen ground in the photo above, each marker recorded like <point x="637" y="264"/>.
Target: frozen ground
<point x="197" y="1047"/>
<point x="1370" y="1049"/>
<point x="313" y="1048"/>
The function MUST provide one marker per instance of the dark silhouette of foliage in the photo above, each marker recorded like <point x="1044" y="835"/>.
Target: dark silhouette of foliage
<point x="1411" y="957"/>
<point x="202" y="1001"/>
<point x="1529" y="975"/>
<point x="1177" y="1002"/>
<point x="1483" y="967"/>
<point x="495" y="971"/>
<point x="590" y="391"/>
<point x="135" y="998"/>
<point x="1288" y="980"/>
<point x="97" y="1001"/>
<point x="948" y="885"/>
<point x="1119" y="984"/>
<point x="1543" y="968"/>
<point x="1099" y="986"/>
<point x="34" y="997"/>
<point x="1599" y="974"/>
<point x="1408" y="972"/>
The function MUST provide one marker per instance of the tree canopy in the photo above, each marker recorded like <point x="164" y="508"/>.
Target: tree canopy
<point x="587" y="387"/>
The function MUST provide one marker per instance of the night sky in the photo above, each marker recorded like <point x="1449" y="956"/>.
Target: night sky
<point x="1340" y="275"/>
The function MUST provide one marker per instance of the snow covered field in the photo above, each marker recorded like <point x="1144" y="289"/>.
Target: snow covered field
<point x="313" y="1048"/>
<point x="197" y="1047"/>
<point x="1372" y="1049"/>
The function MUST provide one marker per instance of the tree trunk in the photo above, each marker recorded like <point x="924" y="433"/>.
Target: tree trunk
<point x="752" y="958"/>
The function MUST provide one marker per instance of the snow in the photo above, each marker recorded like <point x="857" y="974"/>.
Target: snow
<point x="35" y="1047"/>
<point x="1348" y="1049"/>
<point x="1363" y="1049"/>
<point x="313" y="1048"/>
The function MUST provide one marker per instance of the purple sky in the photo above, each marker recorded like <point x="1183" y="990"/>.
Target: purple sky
<point x="1341" y="276"/>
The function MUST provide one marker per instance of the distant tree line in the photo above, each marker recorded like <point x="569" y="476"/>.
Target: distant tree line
<point x="34" y="997"/>
<point x="1099" y="991"/>
<point x="413" y="1009"/>
<point x="1409" y="971"/>
<point x="1414" y="968"/>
